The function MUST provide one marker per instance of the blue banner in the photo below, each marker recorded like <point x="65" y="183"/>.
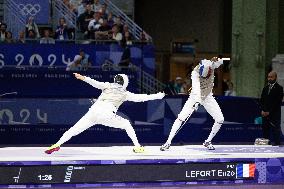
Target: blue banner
<point x="40" y="10"/>
<point x="61" y="54"/>
<point x="56" y="83"/>
<point x="23" y="119"/>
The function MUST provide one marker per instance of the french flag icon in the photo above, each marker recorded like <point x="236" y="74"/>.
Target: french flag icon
<point x="245" y="170"/>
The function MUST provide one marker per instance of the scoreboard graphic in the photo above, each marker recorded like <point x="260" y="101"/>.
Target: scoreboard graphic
<point x="60" y="174"/>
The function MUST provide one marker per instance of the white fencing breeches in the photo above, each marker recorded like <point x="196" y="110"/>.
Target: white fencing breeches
<point x="211" y="106"/>
<point x="100" y="113"/>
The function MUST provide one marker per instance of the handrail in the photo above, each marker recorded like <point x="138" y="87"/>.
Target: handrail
<point x="15" y="21"/>
<point x="61" y="10"/>
<point x="16" y="9"/>
<point x="133" y="27"/>
<point x="148" y="83"/>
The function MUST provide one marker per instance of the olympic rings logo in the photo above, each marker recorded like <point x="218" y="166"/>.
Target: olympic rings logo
<point x="29" y="9"/>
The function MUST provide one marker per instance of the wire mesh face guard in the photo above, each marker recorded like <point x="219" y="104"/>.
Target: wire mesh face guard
<point x="119" y="80"/>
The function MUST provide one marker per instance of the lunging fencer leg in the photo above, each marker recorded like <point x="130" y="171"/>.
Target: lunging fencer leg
<point x="132" y="135"/>
<point x="83" y="124"/>
<point x="121" y="123"/>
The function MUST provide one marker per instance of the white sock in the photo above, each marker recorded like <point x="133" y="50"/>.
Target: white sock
<point x="174" y="129"/>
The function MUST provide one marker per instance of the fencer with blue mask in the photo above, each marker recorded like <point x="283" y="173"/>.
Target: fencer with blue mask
<point x="201" y="94"/>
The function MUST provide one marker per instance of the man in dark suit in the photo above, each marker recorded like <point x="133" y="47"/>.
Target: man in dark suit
<point x="271" y="99"/>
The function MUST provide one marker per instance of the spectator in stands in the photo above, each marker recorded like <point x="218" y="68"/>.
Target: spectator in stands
<point x="61" y="31"/>
<point x="94" y="25"/>
<point x="70" y="5"/>
<point x="85" y="18"/>
<point x="110" y="19"/>
<point x="9" y="37"/>
<point x="81" y="8"/>
<point x="31" y="25"/>
<point x="80" y="62"/>
<point x="116" y="35"/>
<point x="125" y="29"/>
<point x="75" y="3"/>
<point x="97" y="6"/>
<point x="75" y="64"/>
<point x="85" y="60"/>
<point x="46" y="38"/>
<point x="103" y="31"/>
<point x="230" y="91"/>
<point x="126" y="33"/>
<point x="71" y="33"/>
<point x="270" y="101"/>
<point x="31" y="35"/>
<point x="127" y="38"/>
<point x="118" y="22"/>
<point x="104" y="12"/>
<point x="31" y="38"/>
<point x="179" y="86"/>
<point x="21" y="38"/>
<point x="143" y="37"/>
<point x="3" y="31"/>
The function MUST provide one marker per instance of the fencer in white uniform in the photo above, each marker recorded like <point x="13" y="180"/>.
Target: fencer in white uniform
<point x="201" y="94"/>
<point x="103" y="111"/>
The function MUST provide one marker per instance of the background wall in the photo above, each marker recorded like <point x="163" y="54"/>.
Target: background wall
<point x="127" y="6"/>
<point x="186" y="19"/>
<point x="281" y="26"/>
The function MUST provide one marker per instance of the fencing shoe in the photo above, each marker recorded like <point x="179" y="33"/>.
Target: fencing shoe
<point x="52" y="149"/>
<point x="165" y="147"/>
<point x="208" y="145"/>
<point x="138" y="149"/>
